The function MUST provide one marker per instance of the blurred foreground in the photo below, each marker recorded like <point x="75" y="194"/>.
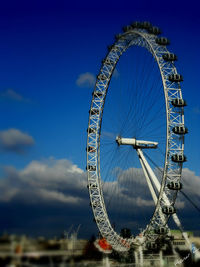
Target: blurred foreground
<point x="21" y="251"/>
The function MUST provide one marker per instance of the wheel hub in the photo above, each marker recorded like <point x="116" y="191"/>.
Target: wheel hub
<point x="136" y="143"/>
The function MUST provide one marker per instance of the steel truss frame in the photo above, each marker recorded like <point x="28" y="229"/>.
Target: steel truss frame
<point x="174" y="145"/>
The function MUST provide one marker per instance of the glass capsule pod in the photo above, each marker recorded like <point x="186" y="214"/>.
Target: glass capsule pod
<point x="180" y="130"/>
<point x="91" y="168"/>
<point x="145" y="25"/>
<point x="162" y="41"/>
<point x="179" y="102"/>
<point x="169" y="57"/>
<point x="151" y="245"/>
<point x="168" y="210"/>
<point x="174" y="185"/>
<point x="175" y="78"/>
<point x="136" y="24"/>
<point x="161" y="230"/>
<point x="178" y="158"/>
<point x="154" y="30"/>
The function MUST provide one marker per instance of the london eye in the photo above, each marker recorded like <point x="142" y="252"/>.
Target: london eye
<point x="136" y="125"/>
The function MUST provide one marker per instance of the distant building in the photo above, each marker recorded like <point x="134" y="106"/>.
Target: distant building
<point x="17" y="249"/>
<point x="179" y="241"/>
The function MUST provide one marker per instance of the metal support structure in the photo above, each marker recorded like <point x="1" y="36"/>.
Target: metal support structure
<point x="174" y="117"/>
<point x="161" y="258"/>
<point x="150" y="174"/>
<point x="141" y="257"/>
<point x="136" y="143"/>
<point x="152" y="179"/>
<point x="136" y="257"/>
<point x="153" y="193"/>
<point x="149" y="183"/>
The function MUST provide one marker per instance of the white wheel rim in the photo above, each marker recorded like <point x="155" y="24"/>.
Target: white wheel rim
<point x="174" y="117"/>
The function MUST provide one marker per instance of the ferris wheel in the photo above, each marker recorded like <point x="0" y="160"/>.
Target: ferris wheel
<point x="140" y="119"/>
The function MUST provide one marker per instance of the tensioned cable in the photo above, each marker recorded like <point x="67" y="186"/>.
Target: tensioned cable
<point x="123" y="154"/>
<point x="184" y="194"/>
<point x="196" y="207"/>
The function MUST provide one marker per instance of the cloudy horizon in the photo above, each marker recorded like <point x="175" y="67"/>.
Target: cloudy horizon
<point x="50" y="56"/>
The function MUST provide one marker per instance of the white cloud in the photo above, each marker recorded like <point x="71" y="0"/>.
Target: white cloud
<point x="142" y="202"/>
<point x="180" y="204"/>
<point x="132" y="188"/>
<point x="64" y="182"/>
<point x="86" y="79"/>
<point x="15" y="140"/>
<point x="130" y="191"/>
<point x="191" y="182"/>
<point x="44" y="181"/>
<point x="53" y="195"/>
<point x="57" y="187"/>
<point x="12" y="95"/>
<point x="60" y="181"/>
<point x="134" y="175"/>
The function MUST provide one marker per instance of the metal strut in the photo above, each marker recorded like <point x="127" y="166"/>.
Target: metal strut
<point x="151" y="177"/>
<point x="148" y="172"/>
<point x="156" y="182"/>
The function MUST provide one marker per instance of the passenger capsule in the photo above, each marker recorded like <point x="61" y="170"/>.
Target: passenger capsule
<point x="168" y="210"/>
<point x="91" y="168"/>
<point x="179" y="102"/>
<point x="151" y="245"/>
<point x="91" y="149"/>
<point x="178" y="158"/>
<point x="97" y="94"/>
<point x="145" y="25"/>
<point x="102" y="77"/>
<point x="127" y="28"/>
<point x="136" y="24"/>
<point x="175" y="78"/>
<point x="94" y="111"/>
<point x="174" y="185"/>
<point x="154" y="30"/>
<point x="162" y="41"/>
<point x="180" y="130"/>
<point x="169" y="57"/>
<point x="161" y="230"/>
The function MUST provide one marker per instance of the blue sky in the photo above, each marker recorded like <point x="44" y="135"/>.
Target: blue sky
<point x="45" y="46"/>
